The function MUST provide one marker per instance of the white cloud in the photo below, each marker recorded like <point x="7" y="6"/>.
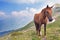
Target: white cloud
<point x="56" y="1"/>
<point x="20" y="13"/>
<point x="2" y="13"/>
<point x="28" y="12"/>
<point x="32" y="10"/>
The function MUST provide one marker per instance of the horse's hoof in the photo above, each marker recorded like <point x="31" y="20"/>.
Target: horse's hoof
<point x="44" y="38"/>
<point x="39" y="36"/>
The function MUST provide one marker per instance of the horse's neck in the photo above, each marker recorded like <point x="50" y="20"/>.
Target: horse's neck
<point x="42" y="15"/>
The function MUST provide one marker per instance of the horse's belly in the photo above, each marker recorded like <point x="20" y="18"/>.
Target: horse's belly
<point x="36" y="20"/>
<point x="42" y="21"/>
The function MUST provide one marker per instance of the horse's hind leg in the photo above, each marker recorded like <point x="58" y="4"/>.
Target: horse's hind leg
<point x="37" y="29"/>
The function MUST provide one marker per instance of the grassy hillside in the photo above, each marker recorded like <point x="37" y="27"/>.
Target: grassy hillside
<point x="27" y="26"/>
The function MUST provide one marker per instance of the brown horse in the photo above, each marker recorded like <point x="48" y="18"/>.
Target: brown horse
<point x="41" y="18"/>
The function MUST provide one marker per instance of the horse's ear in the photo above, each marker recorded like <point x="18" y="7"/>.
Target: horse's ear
<point x="52" y="6"/>
<point x="47" y="6"/>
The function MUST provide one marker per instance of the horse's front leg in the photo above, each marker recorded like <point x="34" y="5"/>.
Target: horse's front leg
<point x="39" y="30"/>
<point x="44" y="29"/>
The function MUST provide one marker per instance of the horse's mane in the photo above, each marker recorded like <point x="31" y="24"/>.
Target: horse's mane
<point x="43" y="10"/>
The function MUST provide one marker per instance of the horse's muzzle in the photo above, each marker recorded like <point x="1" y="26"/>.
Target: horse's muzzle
<point x="50" y="20"/>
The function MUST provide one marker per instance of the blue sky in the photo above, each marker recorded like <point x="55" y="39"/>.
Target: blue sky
<point x="15" y="14"/>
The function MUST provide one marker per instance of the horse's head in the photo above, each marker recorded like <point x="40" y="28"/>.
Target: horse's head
<point x="48" y="13"/>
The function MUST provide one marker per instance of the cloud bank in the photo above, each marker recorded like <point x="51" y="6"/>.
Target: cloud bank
<point x="28" y="12"/>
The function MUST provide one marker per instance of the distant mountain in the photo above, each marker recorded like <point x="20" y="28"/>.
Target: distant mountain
<point x="57" y="5"/>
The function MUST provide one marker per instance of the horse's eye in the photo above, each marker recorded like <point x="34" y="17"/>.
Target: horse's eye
<point x="46" y="12"/>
